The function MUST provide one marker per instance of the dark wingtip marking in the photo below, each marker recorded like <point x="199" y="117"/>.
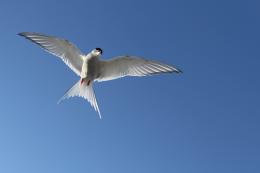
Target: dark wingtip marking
<point x="21" y="34"/>
<point x="25" y="35"/>
<point x="179" y="71"/>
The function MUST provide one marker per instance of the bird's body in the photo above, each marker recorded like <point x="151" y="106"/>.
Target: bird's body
<point x="91" y="67"/>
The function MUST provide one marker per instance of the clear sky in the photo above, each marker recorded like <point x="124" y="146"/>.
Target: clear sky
<point x="204" y="120"/>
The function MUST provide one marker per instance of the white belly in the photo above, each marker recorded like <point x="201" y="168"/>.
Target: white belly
<point x="84" y="69"/>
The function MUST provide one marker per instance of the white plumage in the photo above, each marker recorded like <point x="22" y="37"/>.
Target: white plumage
<point x="92" y="68"/>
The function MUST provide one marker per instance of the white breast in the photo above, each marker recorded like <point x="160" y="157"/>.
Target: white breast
<point x="84" y="68"/>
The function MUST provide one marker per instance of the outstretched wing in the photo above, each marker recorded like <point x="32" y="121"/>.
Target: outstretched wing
<point x="61" y="48"/>
<point x="131" y="66"/>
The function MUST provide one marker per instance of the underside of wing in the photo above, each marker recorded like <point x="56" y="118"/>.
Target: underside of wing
<point x="61" y="48"/>
<point x="132" y="66"/>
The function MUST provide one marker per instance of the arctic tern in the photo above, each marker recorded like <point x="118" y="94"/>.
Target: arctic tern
<point x="90" y="67"/>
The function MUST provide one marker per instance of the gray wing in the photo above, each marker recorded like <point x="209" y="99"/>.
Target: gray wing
<point x="69" y="53"/>
<point x="131" y="66"/>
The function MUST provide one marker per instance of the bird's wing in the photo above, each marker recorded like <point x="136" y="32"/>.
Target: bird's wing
<point x="131" y="66"/>
<point x="69" y="53"/>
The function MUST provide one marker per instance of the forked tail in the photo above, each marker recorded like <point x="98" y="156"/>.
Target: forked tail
<point x="82" y="89"/>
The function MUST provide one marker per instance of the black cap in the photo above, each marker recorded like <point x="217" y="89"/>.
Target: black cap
<point x="100" y="50"/>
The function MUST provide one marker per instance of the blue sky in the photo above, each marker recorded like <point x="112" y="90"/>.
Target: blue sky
<point x="204" y="120"/>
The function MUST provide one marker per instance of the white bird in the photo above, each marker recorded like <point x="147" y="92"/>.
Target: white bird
<point x="90" y="67"/>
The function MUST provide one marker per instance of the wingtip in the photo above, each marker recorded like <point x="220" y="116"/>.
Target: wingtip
<point x="21" y="34"/>
<point x="176" y="70"/>
<point x="179" y="71"/>
<point x="26" y="34"/>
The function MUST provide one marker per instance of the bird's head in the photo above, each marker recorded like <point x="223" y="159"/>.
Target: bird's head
<point x="97" y="51"/>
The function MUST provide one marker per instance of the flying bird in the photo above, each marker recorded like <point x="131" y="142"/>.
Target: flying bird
<point x="91" y="67"/>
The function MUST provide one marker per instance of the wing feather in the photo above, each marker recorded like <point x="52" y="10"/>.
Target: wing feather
<point x="61" y="48"/>
<point x="131" y="66"/>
